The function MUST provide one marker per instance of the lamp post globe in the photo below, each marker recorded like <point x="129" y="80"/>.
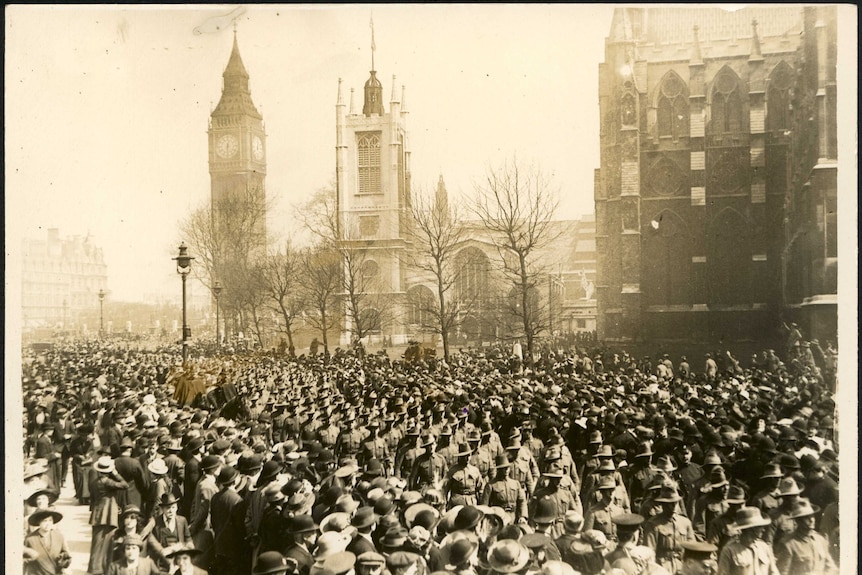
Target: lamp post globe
<point x="184" y="267"/>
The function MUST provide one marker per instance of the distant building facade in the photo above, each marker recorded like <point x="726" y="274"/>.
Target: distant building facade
<point x="61" y="279"/>
<point x="716" y="195"/>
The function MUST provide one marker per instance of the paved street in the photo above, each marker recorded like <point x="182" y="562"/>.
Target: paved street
<point x="75" y="527"/>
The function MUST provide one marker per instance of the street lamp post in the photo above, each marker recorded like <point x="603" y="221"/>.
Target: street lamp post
<point x="184" y="266"/>
<point x="101" y="313"/>
<point x="216" y="292"/>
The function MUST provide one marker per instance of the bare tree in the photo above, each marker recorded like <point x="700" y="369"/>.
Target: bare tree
<point x="437" y="233"/>
<point x="516" y="204"/>
<point x="320" y="280"/>
<point x="227" y="236"/>
<point x="281" y="283"/>
<point x="366" y="306"/>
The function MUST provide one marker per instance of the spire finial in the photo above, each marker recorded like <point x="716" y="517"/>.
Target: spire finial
<point x="352" y="109"/>
<point x="696" y="57"/>
<point x="756" y="54"/>
<point x="340" y="100"/>
<point x="373" y="45"/>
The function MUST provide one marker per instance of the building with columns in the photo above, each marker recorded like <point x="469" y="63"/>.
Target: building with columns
<point x="716" y="195"/>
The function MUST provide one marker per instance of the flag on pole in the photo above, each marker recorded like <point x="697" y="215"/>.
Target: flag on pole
<point x="373" y="46"/>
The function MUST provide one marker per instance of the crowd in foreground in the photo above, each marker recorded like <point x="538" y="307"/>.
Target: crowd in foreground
<point x="584" y="462"/>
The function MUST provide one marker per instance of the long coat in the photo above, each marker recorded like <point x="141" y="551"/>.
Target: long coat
<point x="103" y="494"/>
<point x="161" y="536"/>
<point x="131" y="470"/>
<point x="49" y="548"/>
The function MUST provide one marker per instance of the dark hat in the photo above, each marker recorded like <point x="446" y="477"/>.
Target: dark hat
<point x="374" y="468"/>
<point x="270" y="562"/>
<point x="628" y="521"/>
<point x="127" y="443"/>
<point x="384" y="506"/>
<point x="210" y="462"/>
<point x="187" y="549"/>
<point x="595" y="436"/>
<point x="643" y="450"/>
<point x="459" y="552"/>
<point x="468" y="517"/>
<point x="717" y="478"/>
<point x="699" y="550"/>
<point x="412" y="512"/>
<point x="463" y="450"/>
<point x="167" y="500"/>
<point x="301" y="524"/>
<point x="554" y="470"/>
<point x="194" y="444"/>
<point x="227" y="475"/>
<point x="545" y="511"/>
<point x="50" y="493"/>
<point x="40" y="514"/>
<point x="772" y="470"/>
<point x="364" y="517"/>
<point x="535" y="540"/>
<point x="270" y="470"/>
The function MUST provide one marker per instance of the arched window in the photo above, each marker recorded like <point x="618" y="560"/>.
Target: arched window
<point x="778" y="97"/>
<point x="726" y="103"/>
<point x="368" y="162"/>
<point x="729" y="258"/>
<point x="672" y="104"/>
<point x="472" y="282"/>
<point x="667" y="261"/>
<point x="420" y="302"/>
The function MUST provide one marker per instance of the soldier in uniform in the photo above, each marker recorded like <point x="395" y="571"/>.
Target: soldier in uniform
<point x="805" y="551"/>
<point x="464" y="482"/>
<point x="374" y="446"/>
<point x="563" y="499"/>
<point x="505" y="492"/>
<point x="328" y="433"/>
<point x="668" y="530"/>
<point x="485" y="453"/>
<point x="534" y="444"/>
<point x="712" y="503"/>
<point x="748" y="554"/>
<point x="446" y="448"/>
<point x="640" y="473"/>
<point x="350" y="440"/>
<point x="767" y="498"/>
<point x="408" y="453"/>
<point x="591" y="459"/>
<point x="600" y="513"/>
<point x="521" y="469"/>
<point x="781" y="523"/>
<point x="429" y="468"/>
<point x="627" y="527"/>
<point x="719" y="532"/>
<point x="698" y="558"/>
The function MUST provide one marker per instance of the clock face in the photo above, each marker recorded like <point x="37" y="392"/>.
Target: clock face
<point x="227" y="146"/>
<point x="257" y="148"/>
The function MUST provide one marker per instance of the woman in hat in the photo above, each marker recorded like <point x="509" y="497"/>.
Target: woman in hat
<point x="160" y="483"/>
<point x="105" y="516"/>
<point x="182" y="557"/>
<point x="83" y="451"/>
<point x="41" y="498"/>
<point x="45" y="551"/>
<point x="132" y="563"/>
<point x="130" y="524"/>
<point x="508" y="556"/>
<point x="748" y="554"/>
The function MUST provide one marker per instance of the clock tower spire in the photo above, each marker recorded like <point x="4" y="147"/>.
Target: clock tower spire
<point x="237" y="157"/>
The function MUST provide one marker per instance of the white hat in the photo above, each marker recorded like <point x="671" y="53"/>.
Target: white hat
<point x="149" y="399"/>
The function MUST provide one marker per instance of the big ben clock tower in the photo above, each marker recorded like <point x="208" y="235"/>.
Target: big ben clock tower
<point x="237" y="152"/>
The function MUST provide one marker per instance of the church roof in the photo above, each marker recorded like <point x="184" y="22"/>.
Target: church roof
<point x="235" y="96"/>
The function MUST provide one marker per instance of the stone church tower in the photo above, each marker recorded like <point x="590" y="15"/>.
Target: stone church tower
<point x="373" y="196"/>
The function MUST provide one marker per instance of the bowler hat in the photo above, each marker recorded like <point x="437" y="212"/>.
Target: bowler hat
<point x="270" y="470"/>
<point x="364" y="517"/>
<point x="227" y="475"/>
<point x="468" y="517"/>
<point x="270" y="562"/>
<point x="167" y="500"/>
<point x="210" y="462"/>
<point x="545" y="511"/>
<point x="301" y="524"/>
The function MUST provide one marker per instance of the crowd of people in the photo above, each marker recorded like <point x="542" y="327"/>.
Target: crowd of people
<point x="581" y="461"/>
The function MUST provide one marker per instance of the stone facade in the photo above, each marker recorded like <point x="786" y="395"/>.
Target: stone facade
<point x="715" y="199"/>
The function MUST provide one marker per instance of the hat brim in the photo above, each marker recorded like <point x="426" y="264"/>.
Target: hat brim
<point x="190" y="551"/>
<point x="39" y="515"/>
<point x="762" y="522"/>
<point x="519" y="563"/>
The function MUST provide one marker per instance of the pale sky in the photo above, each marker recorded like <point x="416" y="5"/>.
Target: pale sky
<point x="107" y="109"/>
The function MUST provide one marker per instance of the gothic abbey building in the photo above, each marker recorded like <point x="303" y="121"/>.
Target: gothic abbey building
<point x="716" y="196"/>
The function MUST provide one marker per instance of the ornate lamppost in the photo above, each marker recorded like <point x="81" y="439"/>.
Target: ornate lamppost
<point x="101" y="313"/>
<point x="184" y="266"/>
<point x="216" y="292"/>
